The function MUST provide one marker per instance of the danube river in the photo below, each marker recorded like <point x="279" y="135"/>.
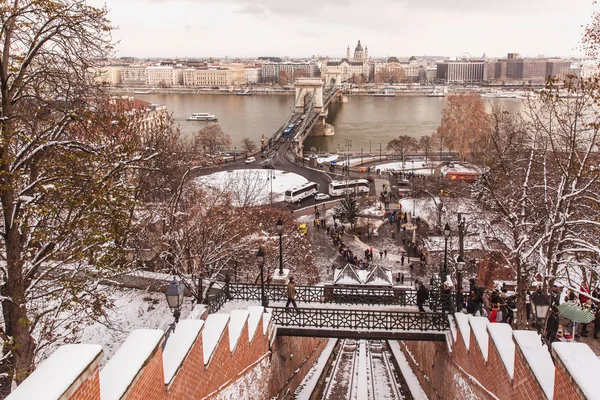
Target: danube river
<point x="366" y="121"/>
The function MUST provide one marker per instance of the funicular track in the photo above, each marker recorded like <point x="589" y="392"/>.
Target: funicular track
<point x="344" y="380"/>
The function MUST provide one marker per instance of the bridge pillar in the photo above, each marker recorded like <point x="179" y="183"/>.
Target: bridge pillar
<point x="333" y="79"/>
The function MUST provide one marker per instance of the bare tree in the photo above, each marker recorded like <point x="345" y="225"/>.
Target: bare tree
<point x="464" y="121"/>
<point x="402" y="144"/>
<point x="248" y="145"/>
<point x="211" y="139"/>
<point x="426" y="144"/>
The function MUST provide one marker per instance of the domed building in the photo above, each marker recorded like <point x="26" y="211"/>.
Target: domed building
<point x="356" y="69"/>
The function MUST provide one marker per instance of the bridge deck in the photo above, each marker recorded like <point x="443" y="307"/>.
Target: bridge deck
<point x="360" y="323"/>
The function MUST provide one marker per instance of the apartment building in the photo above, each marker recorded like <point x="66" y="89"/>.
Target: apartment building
<point x="253" y="75"/>
<point x="134" y="75"/>
<point x="164" y="76"/>
<point x="207" y="77"/>
<point x="460" y="71"/>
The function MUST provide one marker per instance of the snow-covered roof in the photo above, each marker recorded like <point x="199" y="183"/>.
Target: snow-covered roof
<point x="346" y="276"/>
<point x="53" y="377"/>
<point x="213" y="329"/>
<point x="118" y="374"/>
<point x="255" y="314"/>
<point x="501" y="335"/>
<point x="379" y="276"/>
<point x="582" y="364"/>
<point x="478" y="324"/>
<point x="349" y="275"/>
<point x="538" y="358"/>
<point x="179" y="345"/>
<point x="236" y="325"/>
<point x="462" y="320"/>
<point x="452" y="323"/>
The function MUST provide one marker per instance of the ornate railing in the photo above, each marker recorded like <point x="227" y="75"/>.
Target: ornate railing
<point x="326" y="294"/>
<point x="330" y="294"/>
<point x="359" y="319"/>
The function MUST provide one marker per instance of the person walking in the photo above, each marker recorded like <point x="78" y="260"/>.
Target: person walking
<point x="291" y="293"/>
<point x="402" y="260"/>
<point x="381" y="254"/>
<point x="422" y="296"/>
<point x="385" y="253"/>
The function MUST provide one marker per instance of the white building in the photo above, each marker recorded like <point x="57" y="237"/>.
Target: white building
<point x="253" y="75"/>
<point x="208" y="77"/>
<point x="164" y="76"/>
<point x="134" y="75"/>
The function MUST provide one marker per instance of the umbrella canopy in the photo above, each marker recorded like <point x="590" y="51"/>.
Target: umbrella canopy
<point x="575" y="312"/>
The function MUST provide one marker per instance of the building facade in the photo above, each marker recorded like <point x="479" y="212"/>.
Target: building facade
<point x="356" y="70"/>
<point x="109" y="75"/>
<point x="164" y="76"/>
<point x="253" y="75"/>
<point x="207" y="77"/>
<point x="460" y="71"/>
<point x="287" y="71"/>
<point x="134" y="75"/>
<point x="516" y="70"/>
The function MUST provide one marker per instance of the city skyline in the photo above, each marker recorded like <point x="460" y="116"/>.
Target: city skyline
<point x="241" y="28"/>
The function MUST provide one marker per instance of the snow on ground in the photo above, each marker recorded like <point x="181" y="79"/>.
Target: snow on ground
<point x="253" y="186"/>
<point x="456" y="167"/>
<point x="419" y="167"/>
<point x="309" y="383"/>
<point x="363" y="387"/>
<point x="133" y="309"/>
<point x="409" y="376"/>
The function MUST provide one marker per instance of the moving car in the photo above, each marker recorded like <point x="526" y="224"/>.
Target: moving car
<point x="321" y="196"/>
<point x="303" y="229"/>
<point x="250" y="160"/>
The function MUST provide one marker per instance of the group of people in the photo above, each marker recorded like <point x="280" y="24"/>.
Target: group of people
<point x="498" y="305"/>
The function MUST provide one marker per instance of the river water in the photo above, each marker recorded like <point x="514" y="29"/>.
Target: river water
<point x="366" y="121"/>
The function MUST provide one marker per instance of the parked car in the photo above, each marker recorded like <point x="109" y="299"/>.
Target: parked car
<point x="250" y="160"/>
<point x="321" y="196"/>
<point x="268" y="166"/>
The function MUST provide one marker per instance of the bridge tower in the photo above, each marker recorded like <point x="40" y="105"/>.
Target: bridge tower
<point x="332" y="79"/>
<point x="305" y="89"/>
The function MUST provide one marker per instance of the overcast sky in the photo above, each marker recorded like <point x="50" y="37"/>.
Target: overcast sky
<point x="301" y="28"/>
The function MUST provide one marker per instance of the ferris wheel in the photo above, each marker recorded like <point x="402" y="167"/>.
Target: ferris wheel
<point x="466" y="56"/>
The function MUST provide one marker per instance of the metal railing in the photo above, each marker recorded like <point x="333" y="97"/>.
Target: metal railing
<point x="359" y="319"/>
<point x="325" y="294"/>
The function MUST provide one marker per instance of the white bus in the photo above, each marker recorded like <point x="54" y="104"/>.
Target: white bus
<point x="298" y="193"/>
<point x="356" y="186"/>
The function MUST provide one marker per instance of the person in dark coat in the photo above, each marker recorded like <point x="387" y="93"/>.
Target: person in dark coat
<point x="291" y="293"/>
<point x="422" y="296"/>
<point x="552" y="326"/>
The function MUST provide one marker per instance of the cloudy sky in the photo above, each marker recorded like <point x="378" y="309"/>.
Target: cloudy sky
<point x="247" y="28"/>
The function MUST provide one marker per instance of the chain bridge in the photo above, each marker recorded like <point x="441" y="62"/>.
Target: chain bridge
<point x="313" y="96"/>
<point x="378" y="313"/>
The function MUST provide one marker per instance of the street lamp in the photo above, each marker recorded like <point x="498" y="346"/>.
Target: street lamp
<point x="280" y="230"/>
<point x="460" y="265"/>
<point x="542" y="306"/>
<point x="174" y="295"/>
<point x="444" y="270"/>
<point x="260" y="256"/>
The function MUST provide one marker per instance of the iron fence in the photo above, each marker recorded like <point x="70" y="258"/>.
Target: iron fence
<point x="359" y="319"/>
<point x="326" y="294"/>
<point x="329" y="294"/>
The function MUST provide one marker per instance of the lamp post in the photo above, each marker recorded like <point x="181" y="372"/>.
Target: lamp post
<point x="280" y="230"/>
<point x="542" y="306"/>
<point x="260" y="256"/>
<point x="460" y="265"/>
<point x="174" y="295"/>
<point x="444" y="271"/>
